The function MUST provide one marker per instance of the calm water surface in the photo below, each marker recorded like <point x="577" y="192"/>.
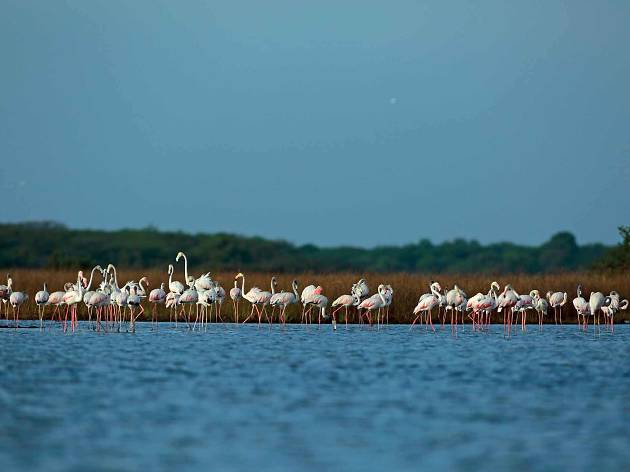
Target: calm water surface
<point x="244" y="398"/>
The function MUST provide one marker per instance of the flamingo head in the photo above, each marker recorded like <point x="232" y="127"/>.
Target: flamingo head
<point x="180" y="254"/>
<point x="495" y="285"/>
<point x="145" y="280"/>
<point x="240" y="274"/>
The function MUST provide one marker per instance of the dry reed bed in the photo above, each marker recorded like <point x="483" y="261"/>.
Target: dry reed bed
<point x="407" y="287"/>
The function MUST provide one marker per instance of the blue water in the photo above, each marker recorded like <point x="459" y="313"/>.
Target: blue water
<point x="244" y="398"/>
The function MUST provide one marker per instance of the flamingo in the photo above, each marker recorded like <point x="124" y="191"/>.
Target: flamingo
<point x="611" y="306"/>
<point x="524" y="303"/>
<point x="581" y="305"/>
<point x="306" y="298"/>
<point x="171" y="303"/>
<point x="141" y="290"/>
<point x="596" y="302"/>
<point x="56" y="299"/>
<point x="5" y="293"/>
<point x="345" y="301"/>
<point x="557" y="300"/>
<point x="283" y="299"/>
<point x="190" y="297"/>
<point x="236" y="295"/>
<point x="506" y="302"/>
<point x="87" y="296"/>
<point x="374" y="302"/>
<point x="101" y="299"/>
<point x="204" y="282"/>
<point x="157" y="296"/>
<point x="426" y="303"/>
<point x="455" y="298"/>
<point x="321" y="302"/>
<point x="71" y="298"/>
<point x="389" y="297"/>
<point x="219" y="299"/>
<point x="489" y="303"/>
<point x="262" y="297"/>
<point x="134" y="300"/>
<point x="174" y="285"/>
<point x="17" y="299"/>
<point x="41" y="300"/>
<point x="360" y="290"/>
<point x="206" y="299"/>
<point x="540" y="305"/>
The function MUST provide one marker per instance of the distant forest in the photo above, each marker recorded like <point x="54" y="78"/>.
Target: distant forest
<point x="52" y="245"/>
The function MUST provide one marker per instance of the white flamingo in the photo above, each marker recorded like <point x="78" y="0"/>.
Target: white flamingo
<point x="134" y="300"/>
<point x="321" y="302"/>
<point x="455" y="299"/>
<point x="557" y="300"/>
<point x="236" y="295"/>
<point x="219" y="299"/>
<point x="540" y="305"/>
<point x="596" y="302"/>
<point x="5" y="293"/>
<point x="41" y="300"/>
<point x="174" y="286"/>
<point x="612" y="305"/>
<point x="375" y="302"/>
<point x="581" y="306"/>
<point x="190" y="297"/>
<point x="16" y="300"/>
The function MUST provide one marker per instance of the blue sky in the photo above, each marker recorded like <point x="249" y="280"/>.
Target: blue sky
<point x="326" y="122"/>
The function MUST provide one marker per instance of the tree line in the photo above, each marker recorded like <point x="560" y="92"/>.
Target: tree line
<point x="52" y="245"/>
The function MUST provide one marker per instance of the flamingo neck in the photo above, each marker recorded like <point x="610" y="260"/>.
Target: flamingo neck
<point x="185" y="267"/>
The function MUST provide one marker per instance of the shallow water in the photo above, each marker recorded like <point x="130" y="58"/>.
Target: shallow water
<point x="299" y="398"/>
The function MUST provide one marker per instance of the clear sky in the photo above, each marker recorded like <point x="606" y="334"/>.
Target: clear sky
<point x="326" y="122"/>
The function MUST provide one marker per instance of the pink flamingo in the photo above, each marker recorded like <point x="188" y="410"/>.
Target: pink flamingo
<point x="374" y="302"/>
<point x="157" y="296"/>
<point x="426" y="303"/>
<point x="344" y="301"/>
<point x="506" y="302"/>
<point x="260" y="297"/>
<point x="283" y="299"/>
<point x="307" y="297"/>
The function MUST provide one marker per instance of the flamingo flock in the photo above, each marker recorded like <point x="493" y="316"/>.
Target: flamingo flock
<point x="110" y="307"/>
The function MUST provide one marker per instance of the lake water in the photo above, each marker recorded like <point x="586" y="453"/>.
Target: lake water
<point x="299" y="398"/>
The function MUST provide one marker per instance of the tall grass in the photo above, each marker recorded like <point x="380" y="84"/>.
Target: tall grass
<point x="407" y="287"/>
